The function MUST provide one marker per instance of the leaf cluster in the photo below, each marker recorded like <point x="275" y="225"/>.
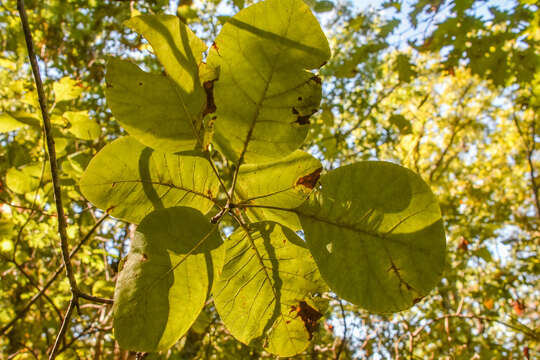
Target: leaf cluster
<point x="213" y="153"/>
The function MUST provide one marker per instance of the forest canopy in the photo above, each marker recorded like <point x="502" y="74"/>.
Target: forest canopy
<point x="231" y="179"/>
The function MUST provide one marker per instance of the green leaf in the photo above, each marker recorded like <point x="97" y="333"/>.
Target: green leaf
<point x="165" y="280"/>
<point x="266" y="277"/>
<point x="26" y="179"/>
<point x="130" y="180"/>
<point x="67" y="89"/>
<point x="375" y="231"/>
<point x="74" y="164"/>
<point x="405" y="68"/>
<point x="14" y="120"/>
<point x="152" y="108"/>
<point x="323" y="6"/>
<point x="265" y="95"/>
<point x="162" y="112"/>
<point x="180" y="52"/>
<point x="177" y="48"/>
<point x="9" y="123"/>
<point x="81" y="125"/>
<point x="285" y="183"/>
<point x="484" y="254"/>
<point x="404" y="125"/>
<point x="239" y="3"/>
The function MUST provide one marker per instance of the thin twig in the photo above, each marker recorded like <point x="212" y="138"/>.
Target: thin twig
<point x="64" y="327"/>
<point x="344" y="340"/>
<point x="53" y="278"/>
<point x="95" y="299"/>
<point x="62" y="225"/>
<point x="521" y="328"/>
<point x="2" y="201"/>
<point x="219" y="177"/>
<point x="33" y="283"/>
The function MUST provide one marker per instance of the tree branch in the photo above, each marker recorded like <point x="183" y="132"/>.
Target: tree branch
<point x="64" y="327"/>
<point x="344" y="340"/>
<point x="521" y="328"/>
<point x="62" y="225"/>
<point x="530" y="148"/>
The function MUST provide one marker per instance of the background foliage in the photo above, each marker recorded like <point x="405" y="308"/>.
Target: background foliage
<point x="449" y="89"/>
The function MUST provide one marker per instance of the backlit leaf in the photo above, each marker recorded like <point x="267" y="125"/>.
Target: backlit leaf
<point x="9" y="123"/>
<point x="67" y="89"/>
<point x="26" y="179"/>
<point x="130" y="180"/>
<point x="285" y="183"/>
<point x="375" y="231"/>
<point x="265" y="94"/>
<point x="165" y="280"/>
<point x="266" y="281"/>
<point x="81" y="125"/>
<point x="152" y="108"/>
<point x="162" y="111"/>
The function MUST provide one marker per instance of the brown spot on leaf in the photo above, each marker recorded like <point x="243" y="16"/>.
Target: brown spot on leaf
<point x="111" y="208"/>
<point x="417" y="300"/>
<point x="324" y="63"/>
<point x="108" y="85"/>
<point x="310" y="180"/>
<point x="144" y="258"/>
<point x="215" y="47"/>
<point x="317" y="79"/>
<point x="300" y="98"/>
<point x="309" y="315"/>
<point x="463" y="244"/>
<point x="303" y="119"/>
<point x="140" y="83"/>
<point x="210" y="104"/>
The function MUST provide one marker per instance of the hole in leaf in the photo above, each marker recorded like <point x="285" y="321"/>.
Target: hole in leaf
<point x="309" y="315"/>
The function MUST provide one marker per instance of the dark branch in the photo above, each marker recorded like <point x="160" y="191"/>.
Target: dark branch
<point x="50" y="147"/>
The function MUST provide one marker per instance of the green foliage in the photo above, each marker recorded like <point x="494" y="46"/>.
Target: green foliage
<point x="456" y="99"/>
<point x="166" y="278"/>
<point x="265" y="95"/>
<point x="266" y="276"/>
<point x="379" y="224"/>
<point x="130" y="180"/>
<point x="376" y="229"/>
<point x="163" y="112"/>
